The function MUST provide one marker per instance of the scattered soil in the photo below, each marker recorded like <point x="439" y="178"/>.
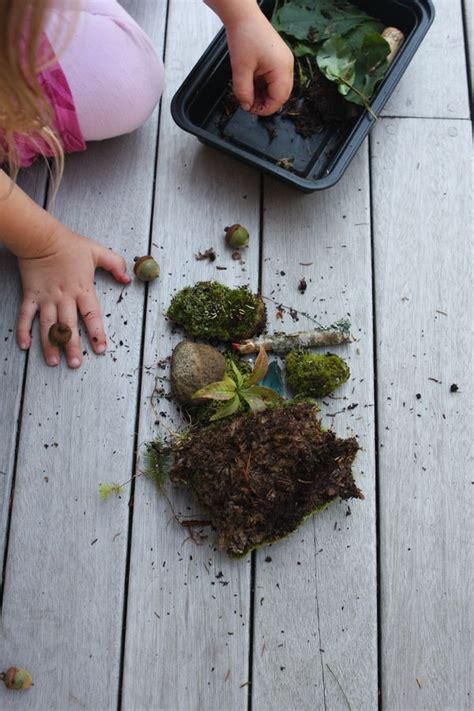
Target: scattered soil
<point x="317" y="106"/>
<point x="259" y="476"/>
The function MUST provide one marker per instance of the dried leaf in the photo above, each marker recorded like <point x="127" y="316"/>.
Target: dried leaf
<point x="259" y="370"/>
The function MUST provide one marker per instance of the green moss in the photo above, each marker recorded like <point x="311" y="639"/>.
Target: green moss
<point x="210" y="310"/>
<point x="315" y="375"/>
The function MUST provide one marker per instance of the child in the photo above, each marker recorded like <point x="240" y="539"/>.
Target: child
<point x="72" y="72"/>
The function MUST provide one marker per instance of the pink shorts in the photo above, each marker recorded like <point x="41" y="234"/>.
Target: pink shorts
<point x="107" y="79"/>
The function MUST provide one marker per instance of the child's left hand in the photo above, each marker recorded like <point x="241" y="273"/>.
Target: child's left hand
<point x="262" y="64"/>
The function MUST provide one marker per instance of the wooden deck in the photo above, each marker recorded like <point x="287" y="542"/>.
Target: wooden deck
<point x="104" y="601"/>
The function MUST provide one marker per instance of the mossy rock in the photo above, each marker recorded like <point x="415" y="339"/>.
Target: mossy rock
<point x="315" y="375"/>
<point x="210" y="310"/>
<point x="259" y="476"/>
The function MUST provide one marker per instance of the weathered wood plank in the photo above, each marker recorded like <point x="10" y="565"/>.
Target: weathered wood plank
<point x="188" y="606"/>
<point x="423" y="272"/>
<point x="315" y="593"/>
<point x="64" y="586"/>
<point x="13" y="361"/>
<point x="469" y="27"/>
<point x="435" y="83"/>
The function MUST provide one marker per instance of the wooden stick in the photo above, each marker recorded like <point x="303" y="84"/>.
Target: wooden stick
<point x="284" y="343"/>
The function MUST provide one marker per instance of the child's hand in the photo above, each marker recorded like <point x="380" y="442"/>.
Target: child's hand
<point x="262" y="64"/>
<point x="58" y="283"/>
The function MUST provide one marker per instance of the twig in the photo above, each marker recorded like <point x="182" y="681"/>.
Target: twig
<point x="284" y="343"/>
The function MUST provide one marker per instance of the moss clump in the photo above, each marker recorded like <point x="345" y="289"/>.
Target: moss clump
<point x="315" y="375"/>
<point x="210" y="310"/>
<point x="259" y="476"/>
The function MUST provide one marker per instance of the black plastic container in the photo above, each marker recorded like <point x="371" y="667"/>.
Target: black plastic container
<point x="319" y="161"/>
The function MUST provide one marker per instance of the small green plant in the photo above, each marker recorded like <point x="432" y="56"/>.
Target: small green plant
<point x="106" y="490"/>
<point x="157" y="461"/>
<point x="235" y="391"/>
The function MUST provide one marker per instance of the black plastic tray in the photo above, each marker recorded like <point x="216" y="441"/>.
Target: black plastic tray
<point x="319" y="161"/>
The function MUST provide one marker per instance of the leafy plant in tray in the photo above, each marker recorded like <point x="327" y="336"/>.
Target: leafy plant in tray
<point x="337" y="39"/>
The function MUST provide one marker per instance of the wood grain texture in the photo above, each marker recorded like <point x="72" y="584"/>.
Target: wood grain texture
<point x="187" y="641"/>
<point x="423" y="269"/>
<point x="64" y="586"/>
<point x="12" y="360"/>
<point x="469" y="32"/>
<point x="435" y="83"/>
<point x="315" y="594"/>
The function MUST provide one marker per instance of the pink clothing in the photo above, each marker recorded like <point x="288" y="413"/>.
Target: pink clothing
<point x="107" y="79"/>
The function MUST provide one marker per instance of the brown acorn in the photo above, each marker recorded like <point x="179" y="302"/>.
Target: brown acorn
<point x="146" y="268"/>
<point x="59" y="334"/>
<point x="236" y="236"/>
<point x="16" y="678"/>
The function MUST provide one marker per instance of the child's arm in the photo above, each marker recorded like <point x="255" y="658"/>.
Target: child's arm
<point x="262" y="64"/>
<point x="57" y="269"/>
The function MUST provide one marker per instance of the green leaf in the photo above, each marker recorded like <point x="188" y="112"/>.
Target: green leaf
<point x="301" y="49"/>
<point x="259" y="369"/>
<point x="255" y="403"/>
<point x="316" y="20"/>
<point x="355" y="37"/>
<point x="106" y="490"/>
<point x="239" y="378"/>
<point x="221" y="390"/>
<point x="370" y="68"/>
<point x="263" y="393"/>
<point x="337" y="62"/>
<point x="228" y="409"/>
<point x="294" y="20"/>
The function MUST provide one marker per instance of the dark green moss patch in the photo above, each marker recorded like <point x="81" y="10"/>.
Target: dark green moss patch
<point x="210" y="310"/>
<point x="315" y="375"/>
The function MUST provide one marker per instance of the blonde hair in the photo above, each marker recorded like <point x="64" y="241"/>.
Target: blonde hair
<point x="24" y="109"/>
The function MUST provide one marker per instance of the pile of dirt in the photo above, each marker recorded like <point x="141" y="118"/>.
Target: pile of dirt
<point x="318" y="106"/>
<point x="259" y="476"/>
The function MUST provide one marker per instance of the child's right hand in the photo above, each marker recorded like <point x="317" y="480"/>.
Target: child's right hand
<point x="58" y="282"/>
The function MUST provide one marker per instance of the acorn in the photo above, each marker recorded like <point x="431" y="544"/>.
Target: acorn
<point x="59" y="334"/>
<point x="146" y="268"/>
<point x="236" y="236"/>
<point x="15" y="678"/>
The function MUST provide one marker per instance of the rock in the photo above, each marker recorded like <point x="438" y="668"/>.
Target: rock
<point x="194" y="365"/>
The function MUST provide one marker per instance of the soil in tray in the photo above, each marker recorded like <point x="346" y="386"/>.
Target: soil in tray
<point x="311" y="124"/>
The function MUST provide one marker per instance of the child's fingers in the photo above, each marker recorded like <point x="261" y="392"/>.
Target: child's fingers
<point x="113" y="263"/>
<point x="243" y="88"/>
<point x="67" y="313"/>
<point x="90" y="311"/>
<point x="27" y="312"/>
<point x="278" y="91"/>
<point x="48" y="316"/>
